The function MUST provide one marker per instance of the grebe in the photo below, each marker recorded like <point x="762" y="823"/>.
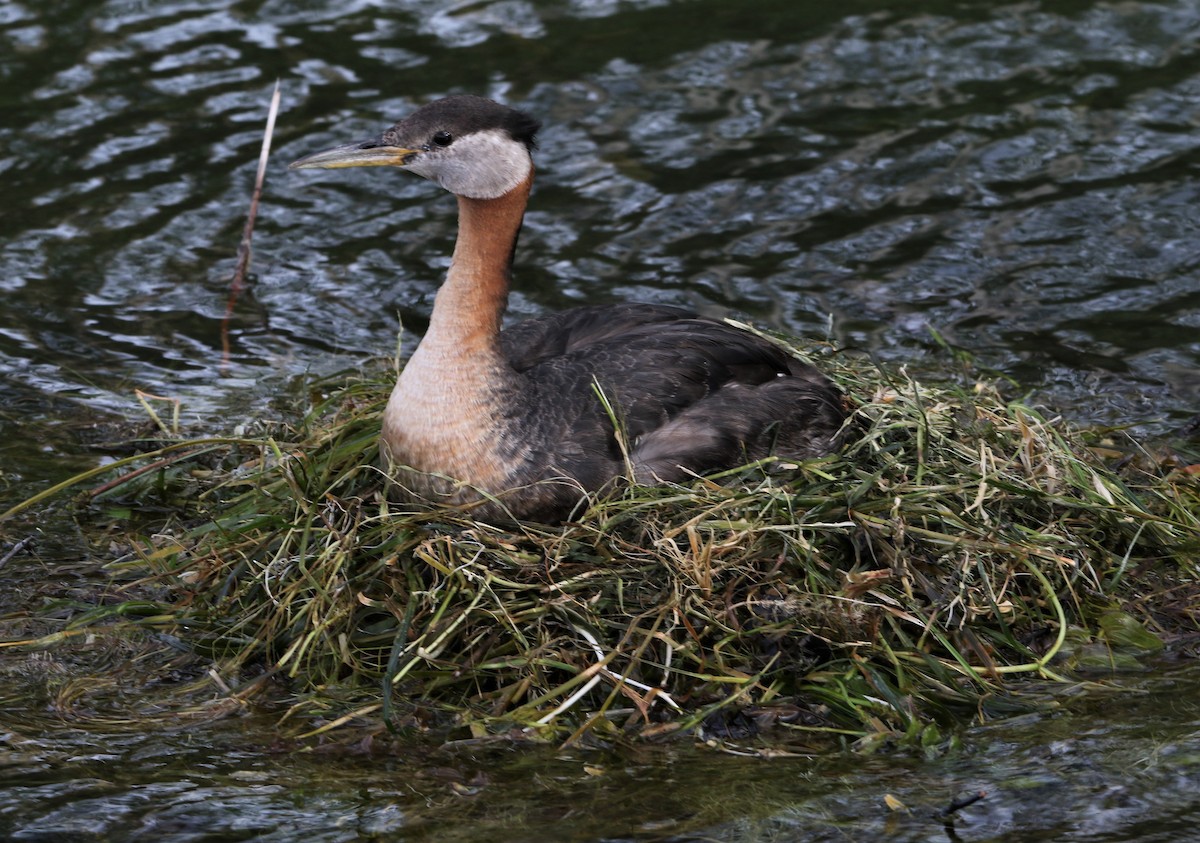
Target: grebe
<point x="519" y="423"/>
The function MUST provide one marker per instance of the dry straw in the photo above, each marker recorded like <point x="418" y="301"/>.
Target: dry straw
<point x="961" y="544"/>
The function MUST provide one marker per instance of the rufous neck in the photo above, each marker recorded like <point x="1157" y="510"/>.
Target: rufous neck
<point x="471" y="302"/>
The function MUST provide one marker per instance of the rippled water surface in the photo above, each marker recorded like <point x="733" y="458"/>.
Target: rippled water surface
<point x="1022" y="178"/>
<point x="1124" y="767"/>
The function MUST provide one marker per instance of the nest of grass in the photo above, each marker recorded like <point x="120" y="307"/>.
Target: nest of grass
<point x="960" y="543"/>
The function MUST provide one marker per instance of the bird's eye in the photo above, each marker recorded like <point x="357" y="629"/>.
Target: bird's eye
<point x="443" y="139"/>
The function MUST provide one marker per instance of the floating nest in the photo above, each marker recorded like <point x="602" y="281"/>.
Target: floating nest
<point x="960" y="549"/>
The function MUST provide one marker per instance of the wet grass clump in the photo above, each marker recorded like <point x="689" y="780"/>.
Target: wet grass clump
<point x="959" y="544"/>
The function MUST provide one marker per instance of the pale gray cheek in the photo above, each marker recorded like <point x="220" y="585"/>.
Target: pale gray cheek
<point x="422" y="169"/>
<point x="476" y="182"/>
<point x="481" y="182"/>
<point x="446" y="173"/>
<point x="480" y="166"/>
<point x="449" y="175"/>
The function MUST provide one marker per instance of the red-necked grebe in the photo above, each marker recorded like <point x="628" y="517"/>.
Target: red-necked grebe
<point x="515" y="422"/>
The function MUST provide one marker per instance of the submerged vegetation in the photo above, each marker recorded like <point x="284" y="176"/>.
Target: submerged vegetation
<point x="960" y="543"/>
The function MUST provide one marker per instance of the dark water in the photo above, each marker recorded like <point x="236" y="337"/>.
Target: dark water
<point x="1024" y="178"/>
<point x="1121" y="767"/>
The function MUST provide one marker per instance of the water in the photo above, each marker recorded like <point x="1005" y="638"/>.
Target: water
<point x="1022" y="178"/>
<point x="1123" y="767"/>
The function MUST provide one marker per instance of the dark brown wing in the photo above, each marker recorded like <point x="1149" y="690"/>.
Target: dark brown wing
<point x="691" y="395"/>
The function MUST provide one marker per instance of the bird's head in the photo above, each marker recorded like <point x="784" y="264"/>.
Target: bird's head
<point x="471" y="146"/>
